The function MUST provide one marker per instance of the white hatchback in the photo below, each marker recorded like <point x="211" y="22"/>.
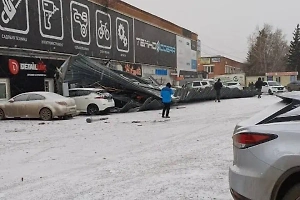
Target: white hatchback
<point x="92" y="100"/>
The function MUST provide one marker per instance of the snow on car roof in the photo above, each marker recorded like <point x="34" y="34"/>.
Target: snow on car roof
<point x="45" y="94"/>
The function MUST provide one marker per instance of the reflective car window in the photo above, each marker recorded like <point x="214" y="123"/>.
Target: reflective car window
<point x="204" y="83"/>
<point x="72" y="93"/>
<point x="22" y="97"/>
<point x="196" y="84"/>
<point x="82" y="92"/>
<point x="35" y="97"/>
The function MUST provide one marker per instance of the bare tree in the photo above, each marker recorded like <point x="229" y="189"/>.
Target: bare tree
<point x="267" y="51"/>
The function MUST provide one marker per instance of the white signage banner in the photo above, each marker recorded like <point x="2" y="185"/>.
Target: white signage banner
<point x="186" y="57"/>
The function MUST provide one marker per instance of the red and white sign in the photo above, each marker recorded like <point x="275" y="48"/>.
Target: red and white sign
<point x="14" y="66"/>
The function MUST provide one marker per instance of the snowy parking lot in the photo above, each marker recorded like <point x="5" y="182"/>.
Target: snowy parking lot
<point x="127" y="156"/>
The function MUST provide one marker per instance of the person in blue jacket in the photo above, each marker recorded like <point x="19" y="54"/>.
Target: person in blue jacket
<point x="166" y="94"/>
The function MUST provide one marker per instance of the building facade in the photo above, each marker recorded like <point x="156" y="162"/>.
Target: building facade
<point x="41" y="34"/>
<point x="219" y="65"/>
<point x="284" y="78"/>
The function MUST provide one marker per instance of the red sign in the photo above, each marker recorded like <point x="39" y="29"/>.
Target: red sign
<point x="13" y="66"/>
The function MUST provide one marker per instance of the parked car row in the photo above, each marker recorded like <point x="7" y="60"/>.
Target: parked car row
<point x="47" y="105"/>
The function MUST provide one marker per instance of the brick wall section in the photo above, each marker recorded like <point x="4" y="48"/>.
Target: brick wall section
<point x="137" y="13"/>
<point x="219" y="68"/>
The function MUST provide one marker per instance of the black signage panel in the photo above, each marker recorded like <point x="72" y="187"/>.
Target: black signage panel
<point x="11" y="66"/>
<point x="66" y="26"/>
<point x="154" y="45"/>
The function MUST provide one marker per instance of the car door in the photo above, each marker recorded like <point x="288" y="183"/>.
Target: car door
<point x="265" y="87"/>
<point x="79" y="97"/>
<point x="16" y="106"/>
<point x="33" y="105"/>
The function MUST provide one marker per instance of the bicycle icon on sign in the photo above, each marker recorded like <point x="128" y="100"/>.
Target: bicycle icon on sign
<point x="103" y="31"/>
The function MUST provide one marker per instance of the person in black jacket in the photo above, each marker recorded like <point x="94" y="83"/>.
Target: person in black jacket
<point x="217" y="86"/>
<point x="258" y="85"/>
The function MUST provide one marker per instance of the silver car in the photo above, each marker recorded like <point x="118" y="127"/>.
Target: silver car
<point x="43" y="105"/>
<point x="266" y="148"/>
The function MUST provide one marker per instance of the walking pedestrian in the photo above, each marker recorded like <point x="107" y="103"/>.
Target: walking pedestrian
<point x="166" y="94"/>
<point x="217" y="86"/>
<point x="258" y="86"/>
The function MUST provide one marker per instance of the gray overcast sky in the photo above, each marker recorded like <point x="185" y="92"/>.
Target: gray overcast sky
<point x="224" y="26"/>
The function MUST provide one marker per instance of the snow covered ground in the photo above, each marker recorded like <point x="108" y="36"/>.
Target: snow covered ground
<point x="128" y="156"/>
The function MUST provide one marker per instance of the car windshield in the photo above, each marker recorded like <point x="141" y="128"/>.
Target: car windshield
<point x="274" y="83"/>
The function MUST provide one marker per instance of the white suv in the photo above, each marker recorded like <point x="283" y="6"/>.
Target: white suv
<point x="272" y="87"/>
<point x="92" y="100"/>
<point x="233" y="84"/>
<point x="198" y="84"/>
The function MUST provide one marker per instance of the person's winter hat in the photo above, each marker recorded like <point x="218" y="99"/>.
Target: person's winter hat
<point x="168" y="85"/>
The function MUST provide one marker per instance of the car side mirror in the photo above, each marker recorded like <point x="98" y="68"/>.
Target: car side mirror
<point x="11" y="100"/>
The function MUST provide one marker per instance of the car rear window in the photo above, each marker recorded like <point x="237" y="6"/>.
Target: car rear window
<point x="229" y="84"/>
<point x="266" y="115"/>
<point x="78" y="93"/>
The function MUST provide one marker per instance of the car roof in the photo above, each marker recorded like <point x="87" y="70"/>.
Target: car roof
<point x="232" y="82"/>
<point x="87" y="89"/>
<point x="45" y="94"/>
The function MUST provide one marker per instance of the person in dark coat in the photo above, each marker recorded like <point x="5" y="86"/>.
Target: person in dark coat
<point x="166" y="94"/>
<point x="217" y="86"/>
<point x="258" y="86"/>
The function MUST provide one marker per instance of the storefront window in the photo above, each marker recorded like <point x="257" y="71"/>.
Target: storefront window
<point x="2" y="91"/>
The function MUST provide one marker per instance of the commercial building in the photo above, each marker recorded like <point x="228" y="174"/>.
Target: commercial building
<point x="37" y="38"/>
<point x="219" y="65"/>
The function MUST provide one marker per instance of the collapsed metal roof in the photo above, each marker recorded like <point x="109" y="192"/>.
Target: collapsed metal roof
<point x="81" y="71"/>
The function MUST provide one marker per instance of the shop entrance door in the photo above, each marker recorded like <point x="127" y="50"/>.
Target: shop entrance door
<point x="49" y="85"/>
<point x="4" y="89"/>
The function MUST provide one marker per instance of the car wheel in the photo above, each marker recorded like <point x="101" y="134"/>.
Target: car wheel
<point x="289" y="89"/>
<point x="270" y="92"/>
<point x="2" y="114"/>
<point x="46" y="114"/>
<point x="92" y="109"/>
<point x="293" y="193"/>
